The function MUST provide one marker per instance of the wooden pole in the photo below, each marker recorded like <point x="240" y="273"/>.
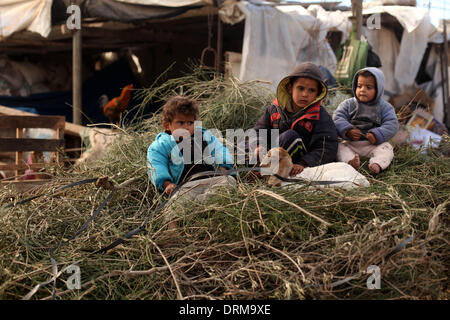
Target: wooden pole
<point x="77" y="75"/>
<point x="219" y="66"/>
<point x="445" y="92"/>
<point x="357" y="18"/>
<point x="19" y="155"/>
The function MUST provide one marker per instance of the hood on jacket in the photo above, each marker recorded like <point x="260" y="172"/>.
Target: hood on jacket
<point x="304" y="70"/>
<point x="379" y="83"/>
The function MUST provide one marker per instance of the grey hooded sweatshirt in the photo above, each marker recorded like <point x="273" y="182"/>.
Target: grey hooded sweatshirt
<point x="376" y="116"/>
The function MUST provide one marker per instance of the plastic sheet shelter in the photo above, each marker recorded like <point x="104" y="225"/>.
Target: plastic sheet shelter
<point x="39" y="15"/>
<point x="276" y="38"/>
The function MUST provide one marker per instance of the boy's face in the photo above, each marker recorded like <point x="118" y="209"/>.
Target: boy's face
<point x="303" y="92"/>
<point x="181" y="121"/>
<point x="365" y="88"/>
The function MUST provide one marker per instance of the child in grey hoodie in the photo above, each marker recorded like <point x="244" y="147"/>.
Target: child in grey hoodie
<point x="366" y="123"/>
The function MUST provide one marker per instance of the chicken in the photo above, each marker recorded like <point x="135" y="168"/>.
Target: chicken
<point x="113" y="109"/>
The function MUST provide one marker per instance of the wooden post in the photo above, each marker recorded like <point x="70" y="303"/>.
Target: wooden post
<point x="357" y="18"/>
<point x="219" y="59"/>
<point x="19" y="155"/>
<point x="445" y="92"/>
<point x="76" y="75"/>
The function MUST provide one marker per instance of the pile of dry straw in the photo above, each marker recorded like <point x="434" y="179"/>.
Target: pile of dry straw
<point x="252" y="242"/>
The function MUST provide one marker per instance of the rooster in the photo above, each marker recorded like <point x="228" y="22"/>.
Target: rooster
<point x="113" y="109"/>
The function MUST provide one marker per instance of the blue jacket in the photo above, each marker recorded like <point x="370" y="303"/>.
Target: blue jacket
<point x="377" y="116"/>
<point x="165" y="161"/>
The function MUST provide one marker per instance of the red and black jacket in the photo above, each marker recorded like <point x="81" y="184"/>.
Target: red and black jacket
<point x="313" y="124"/>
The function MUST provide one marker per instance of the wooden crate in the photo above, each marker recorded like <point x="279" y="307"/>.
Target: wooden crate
<point x="19" y="144"/>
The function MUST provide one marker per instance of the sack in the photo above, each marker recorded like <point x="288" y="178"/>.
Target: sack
<point x="373" y="60"/>
<point x="354" y="58"/>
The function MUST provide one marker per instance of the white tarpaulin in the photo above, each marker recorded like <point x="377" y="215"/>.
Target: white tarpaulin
<point x="31" y="15"/>
<point x="417" y="32"/>
<point x="276" y="39"/>
<point x="401" y="61"/>
<point x="36" y="15"/>
<point x="168" y="3"/>
<point x="385" y="44"/>
<point x="409" y="17"/>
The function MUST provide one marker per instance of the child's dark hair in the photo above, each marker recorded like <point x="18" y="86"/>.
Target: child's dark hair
<point x="366" y="73"/>
<point x="319" y="87"/>
<point x="179" y="104"/>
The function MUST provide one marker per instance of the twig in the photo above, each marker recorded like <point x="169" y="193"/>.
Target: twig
<point x="115" y="273"/>
<point x="282" y="253"/>
<point x="260" y="214"/>
<point x="278" y="197"/>
<point x="180" y="296"/>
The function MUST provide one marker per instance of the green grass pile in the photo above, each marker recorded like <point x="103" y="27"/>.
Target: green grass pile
<point x="251" y="242"/>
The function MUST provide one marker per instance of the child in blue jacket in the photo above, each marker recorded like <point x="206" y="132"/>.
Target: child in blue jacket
<point x="366" y="122"/>
<point x="183" y="150"/>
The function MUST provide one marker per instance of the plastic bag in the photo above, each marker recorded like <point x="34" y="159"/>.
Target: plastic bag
<point x="354" y="58"/>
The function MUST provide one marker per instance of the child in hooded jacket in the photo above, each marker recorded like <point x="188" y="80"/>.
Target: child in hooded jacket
<point x="168" y="162"/>
<point x="306" y="130"/>
<point x="184" y="151"/>
<point x="366" y="122"/>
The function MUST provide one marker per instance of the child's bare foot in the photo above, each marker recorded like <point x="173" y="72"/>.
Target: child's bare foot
<point x="374" y="168"/>
<point x="355" y="162"/>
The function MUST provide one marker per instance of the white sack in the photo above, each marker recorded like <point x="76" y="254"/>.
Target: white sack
<point x="12" y="82"/>
<point x="33" y="73"/>
<point x="335" y="171"/>
<point x="230" y="12"/>
<point x="99" y="140"/>
<point x="423" y="139"/>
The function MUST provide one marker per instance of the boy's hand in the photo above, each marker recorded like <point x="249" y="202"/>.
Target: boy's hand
<point x="169" y="188"/>
<point x="371" y="138"/>
<point x="354" y="134"/>
<point x="296" y="169"/>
